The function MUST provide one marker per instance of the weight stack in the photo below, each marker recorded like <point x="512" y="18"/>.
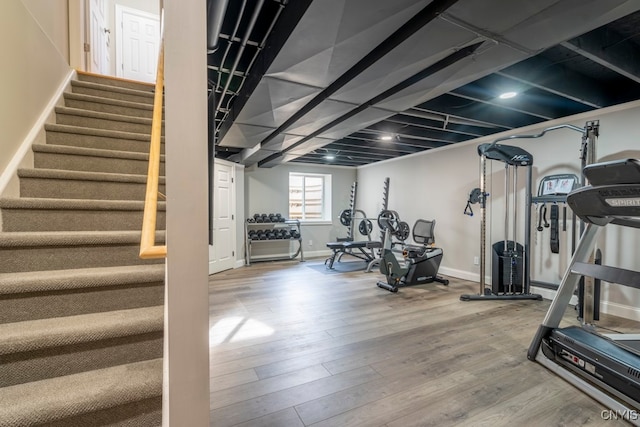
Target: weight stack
<point x="507" y="266"/>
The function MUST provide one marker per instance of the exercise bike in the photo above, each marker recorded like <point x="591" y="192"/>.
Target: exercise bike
<point x="421" y="263"/>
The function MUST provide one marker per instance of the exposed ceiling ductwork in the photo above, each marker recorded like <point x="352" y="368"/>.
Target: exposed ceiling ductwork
<point x="300" y="80"/>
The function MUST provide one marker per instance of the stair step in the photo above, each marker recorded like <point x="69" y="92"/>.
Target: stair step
<point x="43" y="294"/>
<point x="56" y="250"/>
<point x="107" y="105"/>
<point x="98" y="120"/>
<point x="115" y="81"/>
<point x="38" y="349"/>
<point x="89" y="398"/>
<point x="45" y="214"/>
<point x="63" y="157"/>
<point x="64" y="184"/>
<point x="110" y="91"/>
<point x="98" y="138"/>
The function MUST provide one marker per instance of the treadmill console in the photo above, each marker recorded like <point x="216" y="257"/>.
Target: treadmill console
<point x="625" y="171"/>
<point x="612" y="197"/>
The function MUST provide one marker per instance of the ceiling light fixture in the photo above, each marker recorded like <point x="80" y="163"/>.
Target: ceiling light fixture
<point x="508" y="95"/>
<point x="386" y="137"/>
<point x="329" y="157"/>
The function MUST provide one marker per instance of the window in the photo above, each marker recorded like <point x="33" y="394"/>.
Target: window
<point x="310" y="197"/>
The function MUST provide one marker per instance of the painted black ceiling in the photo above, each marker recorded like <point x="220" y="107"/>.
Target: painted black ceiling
<point x="299" y="81"/>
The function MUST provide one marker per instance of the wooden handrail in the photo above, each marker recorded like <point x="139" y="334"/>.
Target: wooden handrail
<point x="148" y="248"/>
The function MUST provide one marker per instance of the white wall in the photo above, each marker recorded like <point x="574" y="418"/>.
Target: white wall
<point x="266" y="191"/>
<point x="32" y="72"/>
<point x="52" y="16"/>
<point x="435" y="184"/>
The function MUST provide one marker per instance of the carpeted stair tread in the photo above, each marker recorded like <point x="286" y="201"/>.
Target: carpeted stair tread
<point x="85" y="176"/>
<point x="74" y="204"/>
<point x="33" y="335"/>
<point x="58" y="398"/>
<point x="70" y="238"/>
<point x="98" y="132"/>
<point x="108" y="101"/>
<point x="147" y="94"/>
<point x="93" y="152"/>
<point x="87" y="76"/>
<point x="103" y="116"/>
<point x="79" y="278"/>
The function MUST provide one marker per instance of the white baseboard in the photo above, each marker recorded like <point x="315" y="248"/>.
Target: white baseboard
<point x="462" y="274"/>
<point x="317" y="254"/>
<point x="239" y="263"/>
<point x="12" y="167"/>
<point x="284" y="256"/>
<point x="625" y="311"/>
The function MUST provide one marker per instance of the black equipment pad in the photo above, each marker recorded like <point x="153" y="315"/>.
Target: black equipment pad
<point x="554" y="240"/>
<point x="341" y="248"/>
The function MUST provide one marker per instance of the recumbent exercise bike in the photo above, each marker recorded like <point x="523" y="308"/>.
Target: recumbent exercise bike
<point x="421" y="263"/>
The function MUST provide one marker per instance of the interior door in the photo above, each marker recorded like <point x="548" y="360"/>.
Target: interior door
<point x="222" y="252"/>
<point x="100" y="37"/>
<point x="138" y="44"/>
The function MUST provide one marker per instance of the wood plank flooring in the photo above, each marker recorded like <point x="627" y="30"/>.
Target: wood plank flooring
<point x="293" y="344"/>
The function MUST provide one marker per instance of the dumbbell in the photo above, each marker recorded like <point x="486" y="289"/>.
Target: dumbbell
<point x="252" y="234"/>
<point x="251" y="220"/>
<point x="286" y="234"/>
<point x="271" y="235"/>
<point x="262" y="235"/>
<point x="295" y="234"/>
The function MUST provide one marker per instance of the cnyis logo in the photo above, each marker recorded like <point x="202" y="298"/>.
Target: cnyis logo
<point x="520" y="158"/>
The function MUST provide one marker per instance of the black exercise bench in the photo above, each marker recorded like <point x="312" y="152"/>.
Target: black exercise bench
<point x="365" y="250"/>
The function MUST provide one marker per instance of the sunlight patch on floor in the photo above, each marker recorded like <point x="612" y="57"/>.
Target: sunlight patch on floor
<point x="237" y="328"/>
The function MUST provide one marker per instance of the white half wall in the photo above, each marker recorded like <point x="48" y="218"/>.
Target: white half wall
<point x="186" y="357"/>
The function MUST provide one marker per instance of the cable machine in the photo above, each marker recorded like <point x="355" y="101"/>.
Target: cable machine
<point x="511" y="261"/>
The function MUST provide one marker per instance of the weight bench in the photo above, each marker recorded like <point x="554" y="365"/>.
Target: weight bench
<point x="365" y="251"/>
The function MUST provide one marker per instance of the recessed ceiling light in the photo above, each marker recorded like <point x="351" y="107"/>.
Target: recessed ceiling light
<point x="329" y="157"/>
<point x="508" y="95"/>
<point x="386" y="137"/>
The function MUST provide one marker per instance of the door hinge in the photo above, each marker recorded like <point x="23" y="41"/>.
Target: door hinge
<point x="233" y="253"/>
<point x="233" y="217"/>
<point x="87" y="47"/>
<point x="232" y="180"/>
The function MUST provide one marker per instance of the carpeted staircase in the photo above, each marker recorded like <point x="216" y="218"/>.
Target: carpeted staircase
<point x="81" y="315"/>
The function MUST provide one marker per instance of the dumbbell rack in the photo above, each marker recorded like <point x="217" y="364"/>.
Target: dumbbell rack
<point x="292" y="225"/>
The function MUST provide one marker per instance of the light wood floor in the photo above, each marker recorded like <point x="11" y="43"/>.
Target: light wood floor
<point x="295" y="345"/>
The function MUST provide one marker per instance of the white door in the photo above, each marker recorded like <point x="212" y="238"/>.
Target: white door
<point x="222" y="252"/>
<point x="137" y="44"/>
<point x="100" y="37"/>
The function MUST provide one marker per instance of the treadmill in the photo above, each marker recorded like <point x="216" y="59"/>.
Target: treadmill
<point x="605" y="366"/>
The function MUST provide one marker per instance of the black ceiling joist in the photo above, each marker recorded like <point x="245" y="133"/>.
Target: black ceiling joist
<point x="419" y="20"/>
<point x="432" y="69"/>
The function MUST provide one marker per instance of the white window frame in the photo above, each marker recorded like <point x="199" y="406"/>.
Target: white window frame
<point x="326" y="197"/>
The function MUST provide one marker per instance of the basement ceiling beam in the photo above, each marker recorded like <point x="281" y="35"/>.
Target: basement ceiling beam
<point x="409" y="120"/>
<point x="361" y="149"/>
<point x="357" y="145"/>
<point x="498" y="117"/>
<point x="608" y="49"/>
<point x="409" y="131"/>
<point x="307" y="158"/>
<point x="430" y="12"/>
<point x="543" y="74"/>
